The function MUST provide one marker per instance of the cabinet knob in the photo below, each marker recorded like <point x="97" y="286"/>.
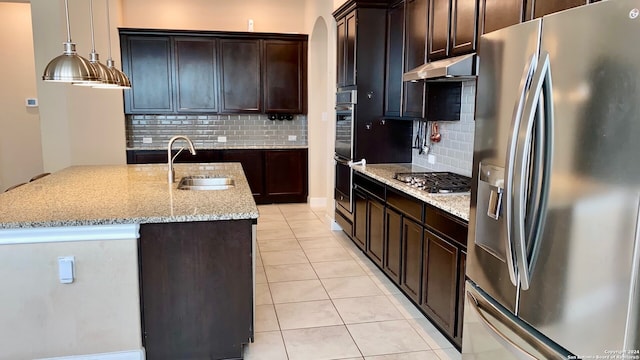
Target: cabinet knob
<point x="368" y="126"/>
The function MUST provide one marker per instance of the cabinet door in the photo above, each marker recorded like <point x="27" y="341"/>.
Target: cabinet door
<point x="350" y="49"/>
<point x="147" y="62"/>
<point x="464" y="14"/>
<point x="439" y="22"/>
<point x="252" y="163"/>
<point x="341" y="33"/>
<point x="440" y="281"/>
<point x="359" y="219"/>
<point x="241" y="89"/>
<point x="284" y="76"/>
<point x="286" y="175"/>
<point x="460" y="311"/>
<point x="412" y="258"/>
<point x="540" y="8"/>
<point x="392" y="244"/>
<point x="395" y="56"/>
<point x="375" y="231"/>
<point x="415" y="55"/>
<point x="498" y="14"/>
<point x="196" y="72"/>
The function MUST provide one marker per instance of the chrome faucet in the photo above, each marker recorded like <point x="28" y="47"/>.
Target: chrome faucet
<point x="172" y="174"/>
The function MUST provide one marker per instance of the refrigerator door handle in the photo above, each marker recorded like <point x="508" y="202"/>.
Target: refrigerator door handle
<point x="513" y="224"/>
<point x="532" y="170"/>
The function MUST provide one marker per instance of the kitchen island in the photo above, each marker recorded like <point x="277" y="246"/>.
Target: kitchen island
<point x="157" y="270"/>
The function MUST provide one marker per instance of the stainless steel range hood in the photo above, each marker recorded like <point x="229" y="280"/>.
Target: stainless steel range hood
<point x="456" y="68"/>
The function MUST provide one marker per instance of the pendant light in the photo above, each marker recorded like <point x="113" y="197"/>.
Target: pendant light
<point x="120" y="77"/>
<point x="70" y="67"/>
<point x="107" y="78"/>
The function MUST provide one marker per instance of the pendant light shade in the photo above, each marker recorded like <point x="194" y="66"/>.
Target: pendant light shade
<point x="70" y="67"/>
<point x="107" y="77"/>
<point x="121" y="78"/>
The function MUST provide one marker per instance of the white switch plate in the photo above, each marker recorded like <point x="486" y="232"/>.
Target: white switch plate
<point x="293" y="138"/>
<point x="222" y="139"/>
<point x="31" y="102"/>
<point x="431" y="159"/>
<point x="147" y="140"/>
<point x="66" y="269"/>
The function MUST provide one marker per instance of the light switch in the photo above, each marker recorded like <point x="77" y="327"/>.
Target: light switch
<point x="222" y="139"/>
<point x="66" y="269"/>
<point x="293" y="138"/>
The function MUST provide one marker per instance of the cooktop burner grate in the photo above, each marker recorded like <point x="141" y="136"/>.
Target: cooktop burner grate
<point x="436" y="182"/>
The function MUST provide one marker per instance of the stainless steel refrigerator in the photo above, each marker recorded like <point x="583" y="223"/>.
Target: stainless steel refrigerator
<point x="553" y="254"/>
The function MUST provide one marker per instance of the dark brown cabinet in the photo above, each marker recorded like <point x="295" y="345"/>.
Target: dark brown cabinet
<point x="413" y="96"/>
<point x="375" y="230"/>
<point x="346" y="50"/>
<point x="196" y="282"/>
<point x="461" y="292"/>
<point x="196" y="74"/>
<point x="392" y="256"/>
<point x="452" y="28"/>
<point x="253" y="166"/>
<point x="285" y="175"/>
<point x="147" y="60"/>
<point x="440" y="281"/>
<point x="498" y="14"/>
<point x="540" y="8"/>
<point x="240" y="85"/>
<point x="412" y="259"/>
<point x="285" y="76"/>
<point x="360" y="219"/>
<point x="394" y="63"/>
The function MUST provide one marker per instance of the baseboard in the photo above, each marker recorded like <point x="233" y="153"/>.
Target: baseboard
<point x="334" y="225"/>
<point x="118" y="355"/>
<point x="318" y="202"/>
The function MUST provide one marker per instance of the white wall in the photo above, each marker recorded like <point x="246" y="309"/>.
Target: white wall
<point x="20" y="146"/>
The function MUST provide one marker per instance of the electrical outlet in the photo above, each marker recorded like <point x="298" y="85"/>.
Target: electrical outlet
<point x="293" y="138"/>
<point x="147" y="140"/>
<point x="431" y="159"/>
<point x="222" y="139"/>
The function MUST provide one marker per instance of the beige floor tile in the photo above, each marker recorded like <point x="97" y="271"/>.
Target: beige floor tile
<point x="419" y="355"/>
<point x="300" y="215"/>
<point x="351" y="287"/>
<point x="322" y="343"/>
<point x="366" y="309"/>
<point x="261" y="278"/>
<point x="270" y="217"/>
<point x="336" y="269"/>
<point x="297" y="291"/>
<point x="284" y="257"/>
<point x="327" y="254"/>
<point x="448" y="354"/>
<point x="272" y="225"/>
<point x="430" y="334"/>
<point x="267" y="346"/>
<point x="268" y="209"/>
<point x="311" y="232"/>
<point x="290" y="272"/>
<point x="386" y="337"/>
<point x="269" y="234"/>
<point x="405" y="306"/>
<point x="278" y="245"/>
<point x="266" y="319"/>
<point x="307" y="314"/>
<point x="319" y="243"/>
<point x="263" y="294"/>
<point x="301" y="224"/>
<point x="386" y="285"/>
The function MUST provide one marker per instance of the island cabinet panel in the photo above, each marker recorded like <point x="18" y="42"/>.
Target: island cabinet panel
<point x="392" y="244"/>
<point x="196" y="74"/>
<point x="252" y="161"/>
<point x="440" y="281"/>
<point x="412" y="259"/>
<point x="499" y="14"/>
<point x="285" y="76"/>
<point x="196" y="289"/>
<point x="240" y="75"/>
<point x="147" y="61"/>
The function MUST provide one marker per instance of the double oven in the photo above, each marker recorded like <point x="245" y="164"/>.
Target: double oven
<point x="345" y="117"/>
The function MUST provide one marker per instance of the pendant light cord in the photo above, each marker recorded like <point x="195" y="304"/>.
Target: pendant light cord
<point x="93" y="40"/>
<point x="66" y="10"/>
<point x="108" y="29"/>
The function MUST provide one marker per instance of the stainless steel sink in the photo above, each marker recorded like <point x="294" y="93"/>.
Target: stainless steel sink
<point x="205" y="182"/>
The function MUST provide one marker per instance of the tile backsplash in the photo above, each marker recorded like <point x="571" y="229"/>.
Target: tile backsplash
<point x="454" y="152"/>
<point x="242" y="130"/>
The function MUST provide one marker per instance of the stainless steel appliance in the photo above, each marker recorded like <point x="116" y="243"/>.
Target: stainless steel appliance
<point x="345" y="115"/>
<point x="553" y="256"/>
<point x="436" y="182"/>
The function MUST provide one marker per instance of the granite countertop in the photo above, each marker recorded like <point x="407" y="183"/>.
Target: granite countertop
<point x="227" y="147"/>
<point x="456" y="204"/>
<point x="125" y="194"/>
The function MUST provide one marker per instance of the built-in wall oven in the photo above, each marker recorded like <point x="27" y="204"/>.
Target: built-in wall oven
<point x="345" y="116"/>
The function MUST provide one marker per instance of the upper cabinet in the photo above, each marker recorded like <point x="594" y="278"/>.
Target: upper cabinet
<point x="147" y="60"/>
<point x="285" y="64"/>
<point x="346" y="74"/>
<point x="395" y="58"/>
<point x="540" y="8"/>
<point x="452" y="28"/>
<point x="498" y="14"/>
<point x="415" y="55"/>
<point x="214" y="72"/>
<point x="240" y="75"/>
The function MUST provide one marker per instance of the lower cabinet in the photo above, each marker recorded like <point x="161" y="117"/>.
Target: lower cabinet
<point x="412" y="259"/>
<point x="375" y="229"/>
<point x="461" y="283"/>
<point x="360" y="219"/>
<point x="392" y="254"/>
<point x="274" y="175"/>
<point x="196" y="289"/>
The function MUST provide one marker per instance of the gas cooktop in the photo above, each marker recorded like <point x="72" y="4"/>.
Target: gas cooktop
<point x="436" y="182"/>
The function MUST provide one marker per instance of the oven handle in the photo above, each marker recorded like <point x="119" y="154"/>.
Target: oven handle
<point x="344" y="108"/>
<point x="341" y="161"/>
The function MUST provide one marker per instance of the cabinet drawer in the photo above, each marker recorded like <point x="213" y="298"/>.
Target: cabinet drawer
<point x="447" y="226"/>
<point x="407" y="205"/>
<point x="369" y="186"/>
